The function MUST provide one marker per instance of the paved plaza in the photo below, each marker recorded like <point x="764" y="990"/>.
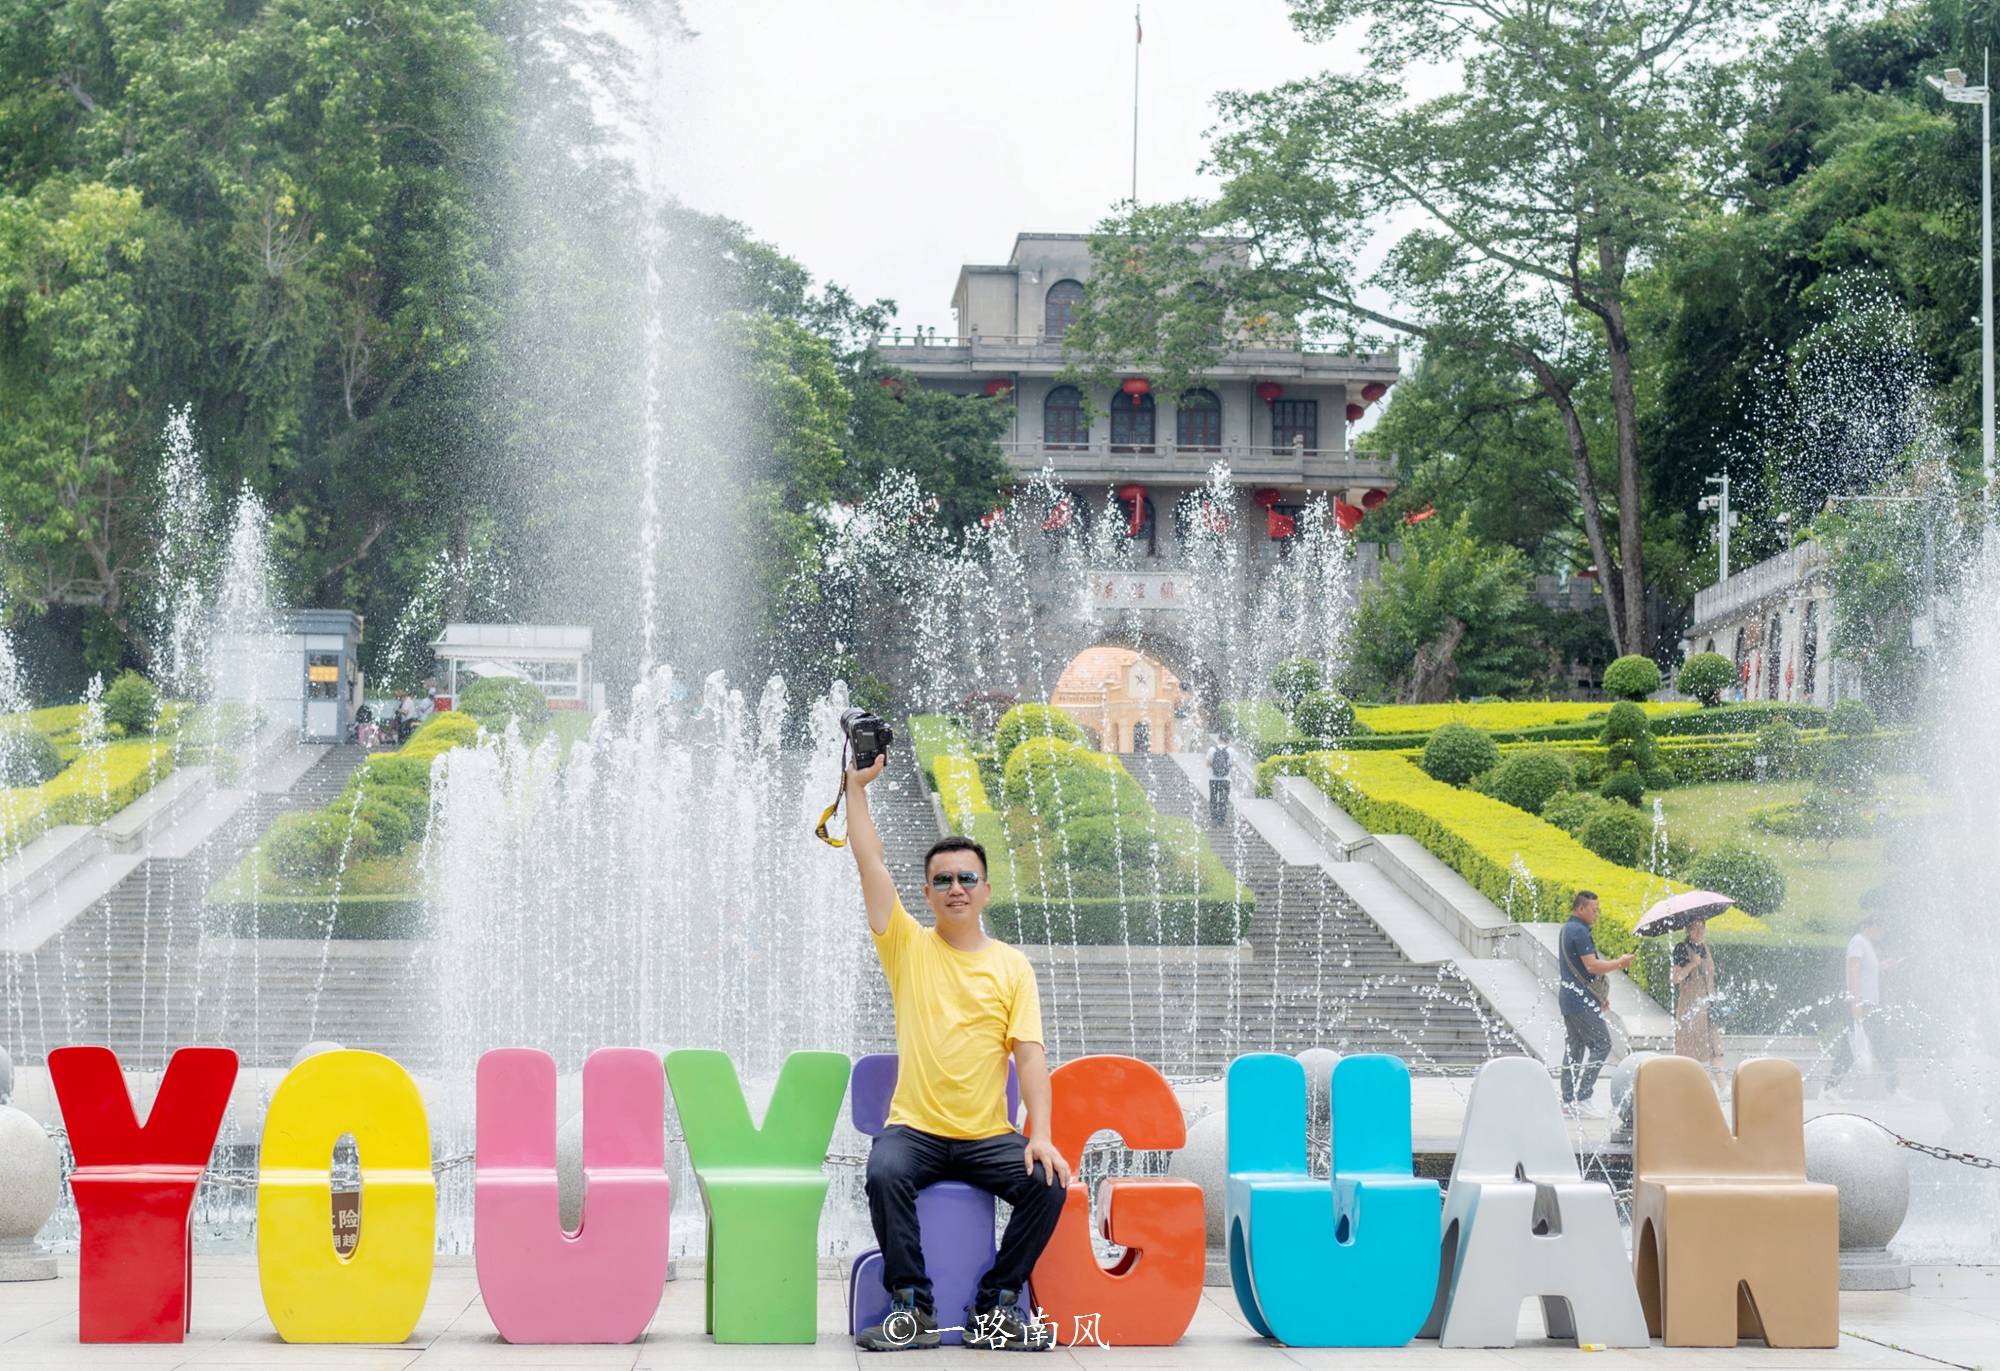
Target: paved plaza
<point x="1950" y="1318"/>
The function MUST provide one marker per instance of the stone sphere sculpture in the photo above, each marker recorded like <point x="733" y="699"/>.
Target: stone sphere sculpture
<point x="1205" y="1161"/>
<point x="313" y="1049"/>
<point x="1871" y="1173"/>
<point x="30" y="1185"/>
<point x="1623" y="1078"/>
<point x="6" y="1076"/>
<point x="569" y="1172"/>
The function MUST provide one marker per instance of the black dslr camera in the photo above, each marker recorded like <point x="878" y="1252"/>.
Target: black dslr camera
<point x="868" y="735"/>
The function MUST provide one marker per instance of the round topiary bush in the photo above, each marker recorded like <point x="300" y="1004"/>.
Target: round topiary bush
<point x="1632" y="677"/>
<point x="310" y="847"/>
<point x="1031" y="720"/>
<point x="27" y="757"/>
<point x="391" y="825"/>
<point x="1627" y="784"/>
<point x="1628" y="739"/>
<point x="1294" y="679"/>
<point x="1456" y="753"/>
<point x="1529" y="780"/>
<point x="132" y="703"/>
<point x="1776" y="745"/>
<point x="1850" y="719"/>
<point x="1706" y="675"/>
<point x="1754" y="881"/>
<point x="1573" y="811"/>
<point x="1619" y="835"/>
<point x="1324" y="717"/>
<point x="499" y="699"/>
<point x="409" y="801"/>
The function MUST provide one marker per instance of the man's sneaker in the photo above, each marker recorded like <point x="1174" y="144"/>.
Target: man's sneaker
<point x="1569" y="1109"/>
<point x="907" y="1325"/>
<point x="1586" y="1109"/>
<point x="1001" y="1329"/>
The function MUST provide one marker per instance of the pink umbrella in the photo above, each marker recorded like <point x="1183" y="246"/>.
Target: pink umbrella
<point x="1678" y="911"/>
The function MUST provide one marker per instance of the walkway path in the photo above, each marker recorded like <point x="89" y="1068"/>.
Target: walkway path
<point x="1952" y="1318"/>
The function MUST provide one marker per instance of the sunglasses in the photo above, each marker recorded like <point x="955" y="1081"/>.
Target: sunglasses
<point x="944" y="879"/>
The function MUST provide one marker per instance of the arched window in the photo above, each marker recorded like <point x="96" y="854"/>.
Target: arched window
<point x="1131" y="424"/>
<point x="1809" y="651"/>
<point x="1059" y="309"/>
<point x="1148" y="530"/>
<point x="1063" y="424"/>
<point x="1198" y="422"/>
<point x="1773" y="663"/>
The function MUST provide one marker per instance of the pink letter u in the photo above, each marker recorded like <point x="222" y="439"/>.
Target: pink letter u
<point x="540" y="1284"/>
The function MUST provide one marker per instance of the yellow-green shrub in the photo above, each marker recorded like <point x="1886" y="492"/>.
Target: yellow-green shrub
<point x="1482" y="838"/>
<point x="959" y="789"/>
<point x="1500" y="716"/>
<point x="84" y="792"/>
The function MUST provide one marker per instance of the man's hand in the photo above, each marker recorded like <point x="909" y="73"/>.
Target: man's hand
<point x="1626" y="960"/>
<point x="864" y="775"/>
<point x="1043" y="1151"/>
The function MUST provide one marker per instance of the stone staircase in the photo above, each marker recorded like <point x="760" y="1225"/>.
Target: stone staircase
<point x="143" y="971"/>
<point x="1310" y="969"/>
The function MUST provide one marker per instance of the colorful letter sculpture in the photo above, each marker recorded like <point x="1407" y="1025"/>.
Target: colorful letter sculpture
<point x="1351" y="1264"/>
<point x="540" y="1284"/>
<point x="1729" y="1239"/>
<point x="1520" y="1221"/>
<point x="135" y="1186"/>
<point x="762" y="1188"/>
<point x="377" y="1292"/>
<point x="956" y="1219"/>
<point x="1150" y="1296"/>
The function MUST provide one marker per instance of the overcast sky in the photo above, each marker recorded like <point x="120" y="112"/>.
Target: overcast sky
<point x="884" y="142"/>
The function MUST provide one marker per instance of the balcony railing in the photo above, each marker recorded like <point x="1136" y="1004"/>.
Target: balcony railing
<point x="1760" y="582"/>
<point x="1245" y="462"/>
<point x="931" y="338"/>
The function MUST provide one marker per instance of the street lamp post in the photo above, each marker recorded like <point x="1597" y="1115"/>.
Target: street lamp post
<point x="1953" y="88"/>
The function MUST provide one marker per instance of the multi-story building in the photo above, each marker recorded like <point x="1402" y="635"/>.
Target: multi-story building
<point x="1279" y="418"/>
<point x="1774" y="621"/>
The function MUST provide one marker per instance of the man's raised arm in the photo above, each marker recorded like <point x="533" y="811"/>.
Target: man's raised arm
<point x="878" y="889"/>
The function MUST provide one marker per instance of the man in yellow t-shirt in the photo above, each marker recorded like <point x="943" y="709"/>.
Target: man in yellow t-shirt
<point x="964" y="1001"/>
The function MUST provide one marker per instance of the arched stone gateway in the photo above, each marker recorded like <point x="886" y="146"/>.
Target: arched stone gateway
<point x="1203" y="688"/>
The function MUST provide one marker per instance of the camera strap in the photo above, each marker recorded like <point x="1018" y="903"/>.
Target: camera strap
<point x="826" y="815"/>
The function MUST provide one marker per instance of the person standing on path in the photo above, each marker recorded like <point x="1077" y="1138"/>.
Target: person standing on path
<point x="1585" y="1001"/>
<point x="1865" y="1024"/>
<point x="1221" y="762"/>
<point x="963" y="1002"/>
<point x="1693" y="974"/>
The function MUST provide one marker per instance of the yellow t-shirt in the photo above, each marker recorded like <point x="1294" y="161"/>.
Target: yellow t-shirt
<point x="958" y="1016"/>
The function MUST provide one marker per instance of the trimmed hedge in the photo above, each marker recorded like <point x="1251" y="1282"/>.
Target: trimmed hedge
<point x="1211" y="907"/>
<point x="1501" y="717"/>
<point x="1026" y="721"/>
<point x="85" y="792"/>
<point x="498" y="700"/>
<point x="27" y="757"/>
<point x="1481" y="838"/>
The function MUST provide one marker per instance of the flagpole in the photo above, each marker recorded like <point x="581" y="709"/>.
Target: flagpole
<point x="1138" y="37"/>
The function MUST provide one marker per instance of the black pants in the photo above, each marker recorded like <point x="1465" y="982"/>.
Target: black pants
<point x="1586" y="1047"/>
<point x="1218" y="801"/>
<point x="904" y="1160"/>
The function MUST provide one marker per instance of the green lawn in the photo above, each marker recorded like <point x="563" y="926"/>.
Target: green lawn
<point x="1824" y="882"/>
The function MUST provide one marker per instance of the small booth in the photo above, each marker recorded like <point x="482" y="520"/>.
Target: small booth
<point x="307" y="670"/>
<point x="555" y="657"/>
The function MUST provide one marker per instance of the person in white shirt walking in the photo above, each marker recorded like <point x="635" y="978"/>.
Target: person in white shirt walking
<point x="1866" y="1024"/>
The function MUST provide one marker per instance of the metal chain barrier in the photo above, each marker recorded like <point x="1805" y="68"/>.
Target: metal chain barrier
<point x="1943" y="1154"/>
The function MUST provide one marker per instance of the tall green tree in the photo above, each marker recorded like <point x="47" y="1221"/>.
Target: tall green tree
<point x="1584" y="135"/>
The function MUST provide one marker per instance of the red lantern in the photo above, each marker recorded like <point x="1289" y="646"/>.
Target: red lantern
<point x="1213" y="519"/>
<point x="1136" y="387"/>
<point x="1269" y="391"/>
<point x="1059" y="516"/>
<point x="1346" y="515"/>
<point x="1266" y="496"/>
<point x="1135" y="496"/>
<point x="1417" y="516"/>
<point x="892" y="384"/>
<point x="1370" y="499"/>
<point x="1372" y="392"/>
<point x="1354" y="413"/>
<point x="1279" y="526"/>
<point x="999" y="385"/>
<point x="992" y="517"/>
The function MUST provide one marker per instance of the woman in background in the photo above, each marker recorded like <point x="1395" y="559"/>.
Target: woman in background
<point x="1695" y="1034"/>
